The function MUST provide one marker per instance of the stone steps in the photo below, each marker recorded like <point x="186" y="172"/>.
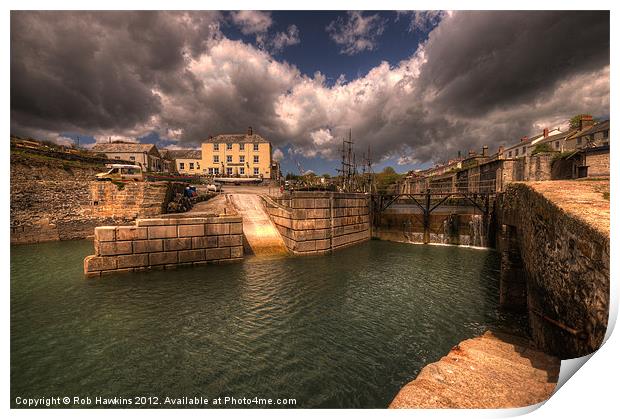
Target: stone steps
<point x="495" y="370"/>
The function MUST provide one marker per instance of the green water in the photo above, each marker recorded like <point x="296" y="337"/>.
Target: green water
<point x="345" y="330"/>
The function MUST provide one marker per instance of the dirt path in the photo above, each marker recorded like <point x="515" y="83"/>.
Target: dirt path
<point x="260" y="235"/>
<point x="495" y="370"/>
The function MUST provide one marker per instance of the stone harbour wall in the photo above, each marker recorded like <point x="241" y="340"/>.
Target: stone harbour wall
<point x="165" y="243"/>
<point x="557" y="265"/>
<point x="319" y="222"/>
<point x="131" y="199"/>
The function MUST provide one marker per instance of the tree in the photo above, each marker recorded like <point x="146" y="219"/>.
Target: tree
<point x="575" y="121"/>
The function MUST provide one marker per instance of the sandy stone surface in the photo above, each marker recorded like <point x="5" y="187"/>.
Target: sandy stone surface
<point x="495" y="370"/>
<point x="586" y="199"/>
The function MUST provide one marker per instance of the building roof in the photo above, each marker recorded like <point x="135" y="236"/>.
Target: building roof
<point x="598" y="127"/>
<point x="236" y="138"/>
<point x="123" y="147"/>
<point x="185" y="154"/>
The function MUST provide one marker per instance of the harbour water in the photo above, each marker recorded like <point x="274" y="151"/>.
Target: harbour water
<point x="343" y="330"/>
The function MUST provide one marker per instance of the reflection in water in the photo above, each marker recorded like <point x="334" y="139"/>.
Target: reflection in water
<point x="344" y="330"/>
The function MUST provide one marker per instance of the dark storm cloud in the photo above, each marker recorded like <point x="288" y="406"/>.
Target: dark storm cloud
<point x="97" y="71"/>
<point x="480" y="78"/>
<point x="482" y="60"/>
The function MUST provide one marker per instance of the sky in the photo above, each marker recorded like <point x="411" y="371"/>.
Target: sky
<point x="416" y="87"/>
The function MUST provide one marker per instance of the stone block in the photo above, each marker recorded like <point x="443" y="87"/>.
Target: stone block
<point x="191" y="230"/>
<point x="236" y="252"/>
<point x="131" y="233"/>
<point x="163" y="258"/>
<point x="148" y="246"/>
<point x="218" y="253"/>
<point x="322" y="244"/>
<point x="145" y="222"/>
<point x="105" y="234"/>
<point x="227" y="241"/>
<point x="236" y="228"/>
<point x="114" y="248"/>
<point x="177" y="244"/>
<point x="204" y="242"/>
<point x="321" y="203"/>
<point x="306" y="246"/>
<point x="217" y="229"/>
<point x="160" y="232"/>
<point x="191" y="255"/>
<point x="97" y="263"/>
<point x="132" y="261"/>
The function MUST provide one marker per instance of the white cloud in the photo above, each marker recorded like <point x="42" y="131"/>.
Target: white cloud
<point x="423" y="20"/>
<point x="277" y="155"/>
<point x="358" y="33"/>
<point x="285" y="39"/>
<point x="252" y="22"/>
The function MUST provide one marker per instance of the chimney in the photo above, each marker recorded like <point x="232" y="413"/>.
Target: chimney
<point x="545" y="132"/>
<point x="585" y="122"/>
<point x="459" y="155"/>
<point x="485" y="151"/>
<point x="250" y="132"/>
<point x="524" y="139"/>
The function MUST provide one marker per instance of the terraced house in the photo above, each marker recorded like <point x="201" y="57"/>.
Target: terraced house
<point x="187" y="161"/>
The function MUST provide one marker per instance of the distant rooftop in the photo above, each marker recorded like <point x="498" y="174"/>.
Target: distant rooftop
<point x="185" y="154"/>
<point x="236" y="138"/>
<point x="123" y="147"/>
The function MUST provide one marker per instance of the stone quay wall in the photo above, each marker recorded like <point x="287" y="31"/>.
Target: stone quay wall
<point x="556" y="265"/>
<point x="165" y="243"/>
<point x="131" y="199"/>
<point x="313" y="223"/>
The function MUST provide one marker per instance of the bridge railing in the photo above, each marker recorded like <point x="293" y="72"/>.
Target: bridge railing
<point x="449" y="186"/>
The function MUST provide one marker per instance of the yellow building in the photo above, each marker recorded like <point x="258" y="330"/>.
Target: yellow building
<point x="187" y="161"/>
<point x="237" y="155"/>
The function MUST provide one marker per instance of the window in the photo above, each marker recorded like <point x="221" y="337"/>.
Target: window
<point x="255" y="147"/>
<point x="229" y="146"/>
<point x="256" y="171"/>
<point x="241" y="159"/>
<point x="181" y="166"/>
<point x="605" y="134"/>
<point x="241" y="147"/>
<point x="523" y="150"/>
<point x="216" y="159"/>
<point x="198" y="165"/>
<point x="191" y="166"/>
<point x="210" y="170"/>
<point x="557" y="145"/>
<point x="510" y="154"/>
<point x="216" y="170"/>
<point x="132" y="158"/>
<point x="216" y="147"/>
<point x="516" y="152"/>
<point x="117" y="157"/>
<point x="242" y="171"/>
<point x="228" y="159"/>
<point x="229" y="171"/>
<point x="579" y="141"/>
<point x="255" y="159"/>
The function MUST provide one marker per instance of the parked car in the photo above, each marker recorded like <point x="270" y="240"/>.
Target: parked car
<point x="122" y="173"/>
<point x="214" y="187"/>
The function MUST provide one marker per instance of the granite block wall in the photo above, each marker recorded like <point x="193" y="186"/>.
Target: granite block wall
<point x="165" y="243"/>
<point x="319" y="222"/>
